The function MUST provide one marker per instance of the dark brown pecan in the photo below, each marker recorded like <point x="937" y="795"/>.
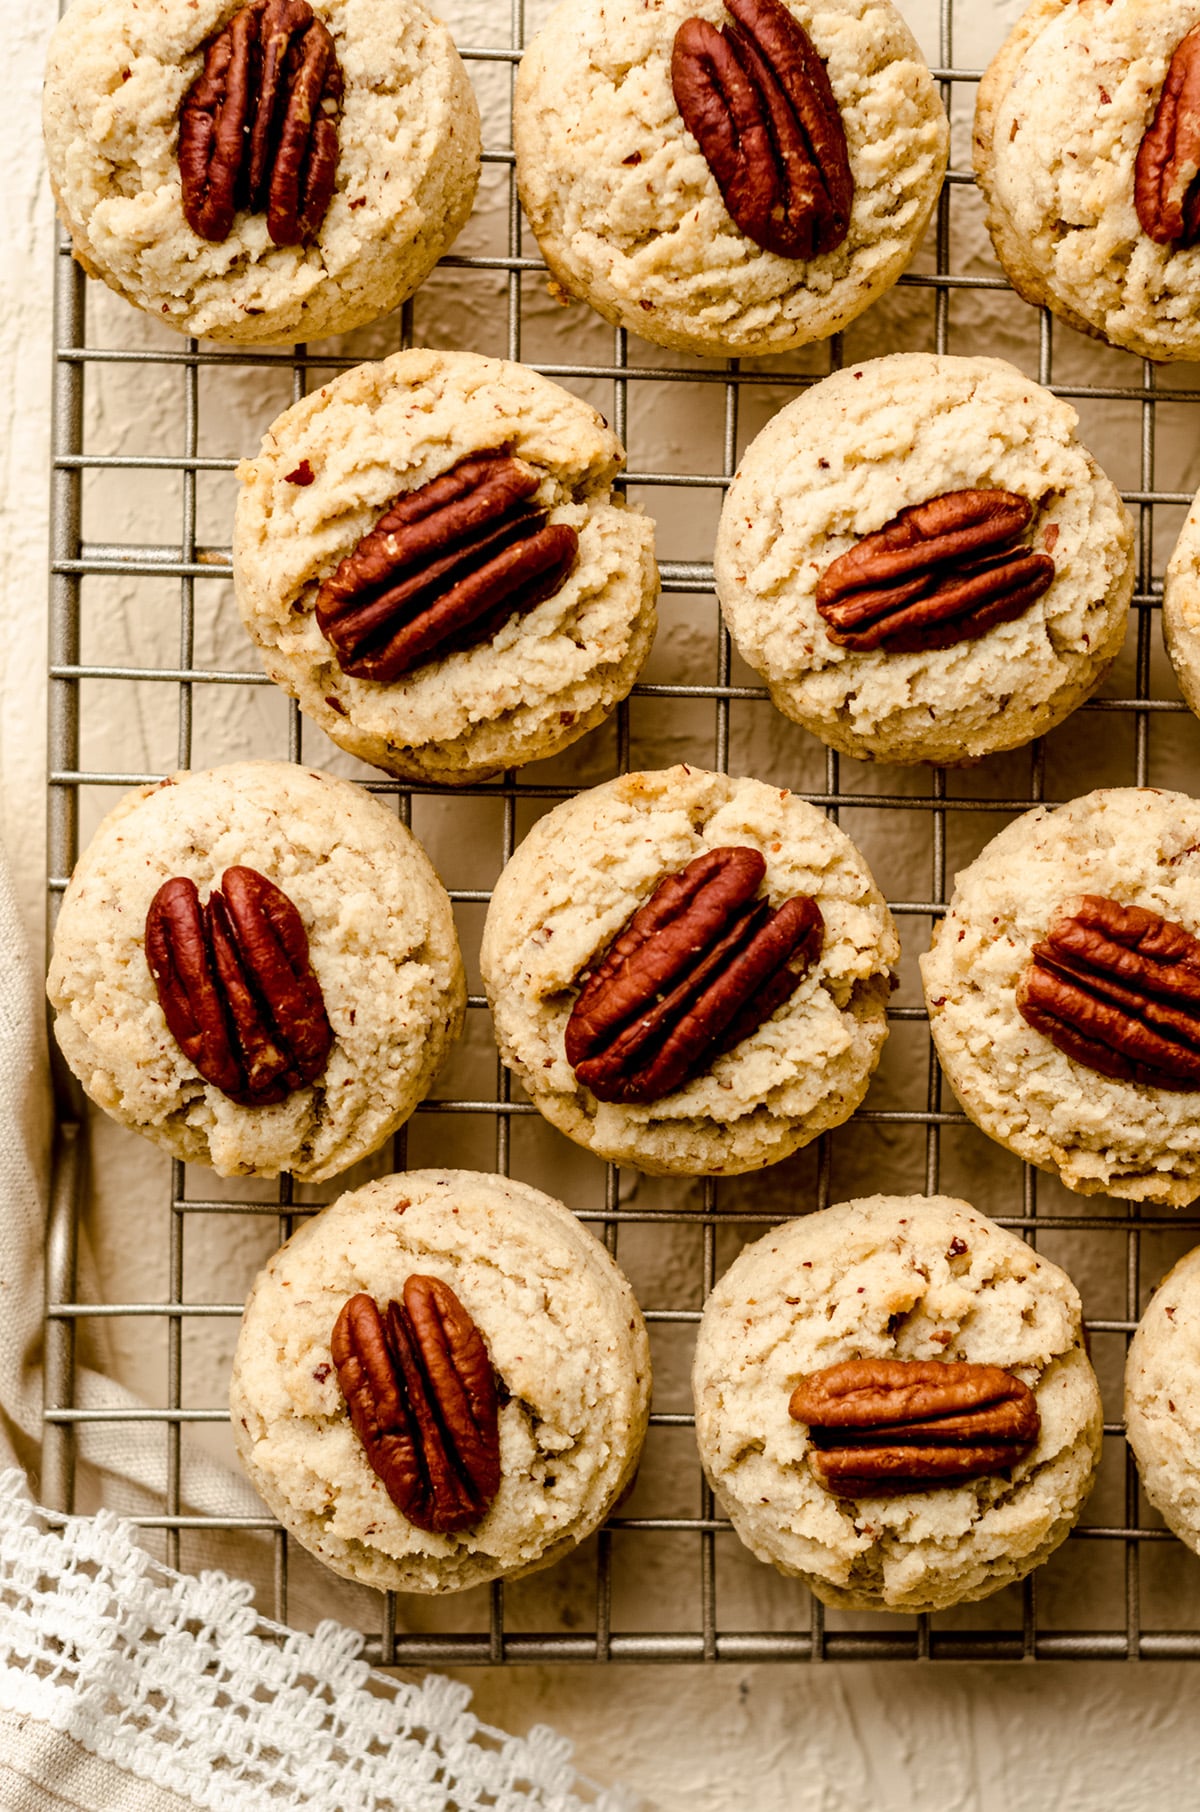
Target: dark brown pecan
<point x="443" y="567"/>
<point x="1118" y="989"/>
<point x="882" y="1426"/>
<point x="694" y="971"/>
<point x="756" y="98"/>
<point x="236" y="986"/>
<point x="422" y="1397"/>
<point x="939" y="573"/>
<point x="258" y="128"/>
<point x="1166" y="189"/>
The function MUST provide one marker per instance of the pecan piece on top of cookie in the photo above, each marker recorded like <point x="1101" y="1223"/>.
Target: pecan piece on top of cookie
<point x="258" y="128"/>
<point x="215" y="991"/>
<point x="727" y="178"/>
<point x="421" y="1392"/>
<point x="689" y="973"/>
<point x="441" y="1379"/>
<point x="430" y="555"/>
<point x="880" y="1427"/>
<point x="699" y="967"/>
<point x="1063" y="988"/>
<point x="236" y="985"/>
<point x="895" y="1404"/>
<point x="1117" y="988"/>
<point x="263" y="173"/>
<point x="922" y="561"/>
<point x="758" y="100"/>
<point x="938" y="574"/>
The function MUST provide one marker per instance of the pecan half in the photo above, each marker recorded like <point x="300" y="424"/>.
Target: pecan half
<point x="1118" y="989"/>
<point x="937" y="574"/>
<point x="421" y="1392"/>
<point x="694" y="971"/>
<point x="882" y="1426"/>
<point x="1166" y="189"/>
<point x="444" y="566"/>
<point x="756" y="98"/>
<point x="258" y="128"/>
<point x="236" y="986"/>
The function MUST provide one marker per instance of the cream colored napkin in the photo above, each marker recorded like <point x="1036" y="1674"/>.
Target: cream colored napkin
<point x="127" y="1687"/>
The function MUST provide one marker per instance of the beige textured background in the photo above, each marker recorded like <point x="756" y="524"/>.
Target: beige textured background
<point x="979" y="1738"/>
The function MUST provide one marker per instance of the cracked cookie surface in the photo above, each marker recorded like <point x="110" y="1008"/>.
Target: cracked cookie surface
<point x="580" y="874"/>
<point x="381" y="942"/>
<point x="1137" y="845"/>
<point x="1062" y="111"/>
<point x="893" y="1277"/>
<point x="546" y="676"/>
<point x="838" y="464"/>
<point x="629" y="216"/>
<point x="407" y="169"/>
<point x="564" y="1334"/>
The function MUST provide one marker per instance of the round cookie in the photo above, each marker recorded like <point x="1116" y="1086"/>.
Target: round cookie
<point x="565" y="1336"/>
<point x="840" y="463"/>
<point x="408" y="164"/>
<point x="334" y="462"/>
<point x="629" y="215"/>
<point x="1181" y="609"/>
<point x="893" y="1278"/>
<point x="1062" y="112"/>
<point x="1100" y="1134"/>
<point x="1162" y="1399"/>
<point x="381" y="943"/>
<point x="580" y="874"/>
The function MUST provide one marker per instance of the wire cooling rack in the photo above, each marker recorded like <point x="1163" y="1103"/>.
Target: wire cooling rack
<point x="666" y="1580"/>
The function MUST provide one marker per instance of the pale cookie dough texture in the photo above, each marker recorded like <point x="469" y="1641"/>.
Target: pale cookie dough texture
<point x="893" y="1277"/>
<point x="1062" y="111"/>
<point x="381" y="943"/>
<point x="1138" y="846"/>
<point x="628" y="214"/>
<point x="565" y="1336"/>
<point x="1181" y="609"/>
<point x="839" y="463"/>
<point x="546" y="676"/>
<point x="580" y="874"/>
<point x="1162" y="1399"/>
<point x="118" y="73"/>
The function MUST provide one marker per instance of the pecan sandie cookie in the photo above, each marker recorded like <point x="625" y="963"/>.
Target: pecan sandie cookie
<point x="923" y="562"/>
<point x="1086" y="136"/>
<point x="1162" y="1399"/>
<point x="441" y="1379"/>
<point x="263" y="173"/>
<point x="431" y="557"/>
<point x="256" y="967"/>
<point x="1063" y="988"/>
<point x="689" y="973"/>
<point x="894" y="1402"/>
<point x="727" y="179"/>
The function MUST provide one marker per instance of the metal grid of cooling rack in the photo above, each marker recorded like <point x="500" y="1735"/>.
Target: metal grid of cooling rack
<point x="697" y="1630"/>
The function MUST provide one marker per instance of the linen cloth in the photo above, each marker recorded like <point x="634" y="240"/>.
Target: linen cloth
<point x="128" y="1687"/>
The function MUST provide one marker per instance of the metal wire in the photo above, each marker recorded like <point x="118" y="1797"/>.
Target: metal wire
<point x="696" y="1629"/>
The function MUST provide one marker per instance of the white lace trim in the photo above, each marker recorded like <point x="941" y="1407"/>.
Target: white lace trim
<point x="177" y="1680"/>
